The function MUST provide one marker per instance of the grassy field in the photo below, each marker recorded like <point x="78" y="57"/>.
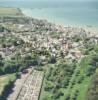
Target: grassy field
<point x="4" y="81"/>
<point x="10" y="12"/>
<point x="44" y="93"/>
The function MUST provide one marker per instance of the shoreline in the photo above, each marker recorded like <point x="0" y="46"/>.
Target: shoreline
<point x="88" y="28"/>
<point x="27" y="12"/>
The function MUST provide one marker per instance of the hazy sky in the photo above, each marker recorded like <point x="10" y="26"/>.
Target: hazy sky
<point x="49" y="0"/>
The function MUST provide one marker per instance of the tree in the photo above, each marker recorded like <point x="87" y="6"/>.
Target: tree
<point x="57" y="95"/>
<point x="1" y="71"/>
<point x="52" y="59"/>
<point x="48" y="86"/>
<point x="90" y="70"/>
<point x="1" y="60"/>
<point x="92" y="93"/>
<point x="1" y="28"/>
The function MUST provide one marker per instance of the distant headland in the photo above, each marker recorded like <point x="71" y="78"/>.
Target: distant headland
<point x="7" y="11"/>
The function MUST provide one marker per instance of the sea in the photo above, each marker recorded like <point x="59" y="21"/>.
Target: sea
<point x="66" y="12"/>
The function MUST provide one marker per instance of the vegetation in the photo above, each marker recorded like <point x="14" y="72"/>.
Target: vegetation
<point x="70" y="65"/>
<point x="5" y="81"/>
<point x="1" y="28"/>
<point x="65" y="81"/>
<point x="57" y="80"/>
<point x="92" y="93"/>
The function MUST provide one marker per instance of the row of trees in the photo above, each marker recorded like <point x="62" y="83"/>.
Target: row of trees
<point x="58" y="78"/>
<point x="17" y="63"/>
<point x="92" y="93"/>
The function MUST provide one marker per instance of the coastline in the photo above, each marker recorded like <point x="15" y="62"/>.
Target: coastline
<point x="28" y="13"/>
<point x="64" y="43"/>
<point x="88" y="28"/>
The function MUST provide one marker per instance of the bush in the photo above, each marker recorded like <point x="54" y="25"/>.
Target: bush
<point x="48" y="86"/>
<point x="52" y="60"/>
<point x="57" y="95"/>
<point x="67" y="97"/>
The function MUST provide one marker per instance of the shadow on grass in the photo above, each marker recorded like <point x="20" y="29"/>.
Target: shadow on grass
<point x="8" y="89"/>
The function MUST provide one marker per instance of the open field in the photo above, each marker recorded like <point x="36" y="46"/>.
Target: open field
<point x="10" y="12"/>
<point x="4" y="81"/>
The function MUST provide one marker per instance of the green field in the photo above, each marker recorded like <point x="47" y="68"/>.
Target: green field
<point x="4" y="80"/>
<point x="10" y="12"/>
<point x="77" y="86"/>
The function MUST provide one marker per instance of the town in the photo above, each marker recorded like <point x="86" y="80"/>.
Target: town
<point x="47" y="61"/>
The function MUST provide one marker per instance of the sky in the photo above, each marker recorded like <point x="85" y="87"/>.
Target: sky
<point x="49" y="0"/>
<point x="93" y="1"/>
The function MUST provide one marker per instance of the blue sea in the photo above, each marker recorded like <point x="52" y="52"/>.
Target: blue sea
<point x="67" y="12"/>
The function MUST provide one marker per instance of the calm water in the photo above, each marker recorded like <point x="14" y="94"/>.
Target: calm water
<point x="68" y="12"/>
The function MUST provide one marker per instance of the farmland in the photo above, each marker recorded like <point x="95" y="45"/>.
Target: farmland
<point x="10" y="12"/>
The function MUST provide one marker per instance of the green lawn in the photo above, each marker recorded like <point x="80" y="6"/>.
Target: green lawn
<point x="83" y="88"/>
<point x="5" y="79"/>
